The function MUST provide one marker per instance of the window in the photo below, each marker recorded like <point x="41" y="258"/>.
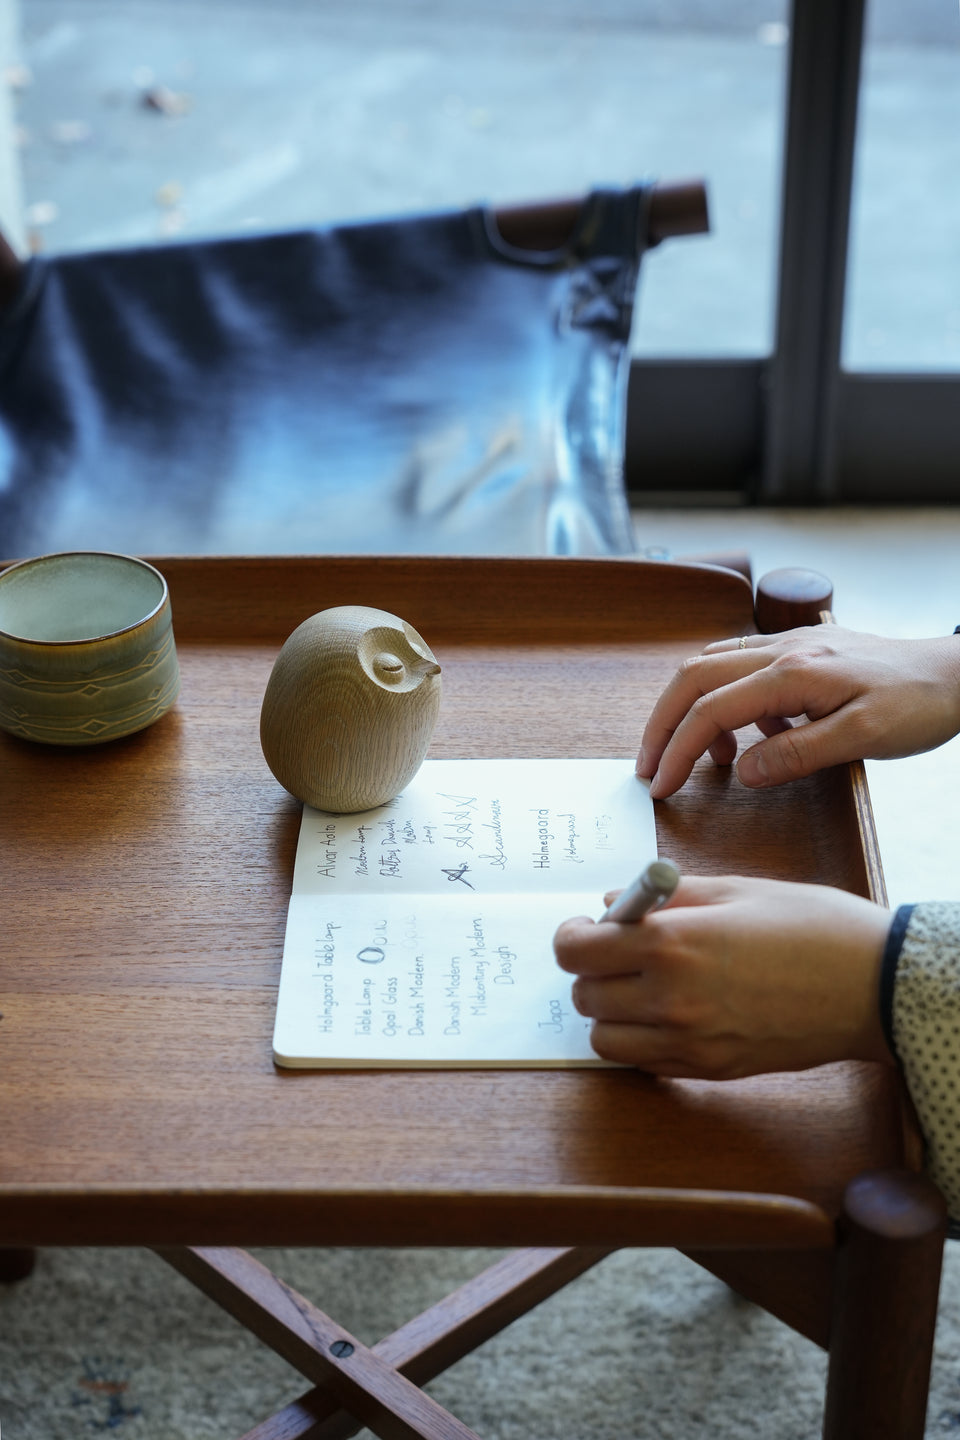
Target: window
<point x="149" y="120"/>
<point x="903" y="293"/>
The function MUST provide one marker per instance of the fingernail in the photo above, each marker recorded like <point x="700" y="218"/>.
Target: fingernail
<point x="641" y="761"/>
<point x="655" y="787"/>
<point x="752" y="768"/>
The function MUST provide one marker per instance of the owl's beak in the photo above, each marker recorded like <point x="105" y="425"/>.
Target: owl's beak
<point x="426" y="667"/>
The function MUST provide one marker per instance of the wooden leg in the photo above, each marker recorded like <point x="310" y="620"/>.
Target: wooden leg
<point x="884" y="1308"/>
<point x="450" y="1329"/>
<point x="374" y="1384"/>
<point x="794" y="1285"/>
<point x="16" y="1263"/>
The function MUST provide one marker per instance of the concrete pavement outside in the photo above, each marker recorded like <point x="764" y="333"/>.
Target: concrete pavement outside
<point x="296" y="113"/>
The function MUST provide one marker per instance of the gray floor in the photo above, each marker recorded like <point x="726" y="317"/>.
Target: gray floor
<point x="298" y="112"/>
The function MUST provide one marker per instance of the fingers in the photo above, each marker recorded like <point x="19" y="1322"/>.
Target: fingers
<point x="634" y="999"/>
<point x="640" y="1021"/>
<point x="618" y="997"/>
<point x="735" y="977"/>
<point x="864" y="697"/>
<point x="723" y="751"/>
<point x="772" y="724"/>
<point x="767" y="684"/>
<point x="635" y="1024"/>
<point x="584" y="947"/>
<point x="764" y="693"/>
<point x="696" y="681"/>
<point x="647" y="1047"/>
<point x="740" y="642"/>
<point x="794" y="751"/>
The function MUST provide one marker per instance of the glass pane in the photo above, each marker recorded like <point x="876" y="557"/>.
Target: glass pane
<point x="711" y="103"/>
<point x="903" y="288"/>
<point x="150" y="119"/>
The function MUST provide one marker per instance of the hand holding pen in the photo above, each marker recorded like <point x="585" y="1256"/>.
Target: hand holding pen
<point x="735" y="976"/>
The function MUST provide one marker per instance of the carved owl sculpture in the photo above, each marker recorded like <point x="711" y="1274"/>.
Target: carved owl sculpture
<point x="349" y="708"/>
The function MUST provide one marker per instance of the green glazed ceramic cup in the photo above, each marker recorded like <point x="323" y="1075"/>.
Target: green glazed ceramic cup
<point x="86" y="648"/>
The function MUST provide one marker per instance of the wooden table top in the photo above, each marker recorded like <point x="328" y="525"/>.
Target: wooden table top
<point x="145" y="885"/>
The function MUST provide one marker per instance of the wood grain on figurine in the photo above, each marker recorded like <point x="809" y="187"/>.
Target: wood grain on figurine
<point x="350" y="708"/>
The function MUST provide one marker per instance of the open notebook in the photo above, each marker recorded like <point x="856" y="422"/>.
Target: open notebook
<point x="420" y="933"/>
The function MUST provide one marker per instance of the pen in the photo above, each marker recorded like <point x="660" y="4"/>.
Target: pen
<point x="651" y="889"/>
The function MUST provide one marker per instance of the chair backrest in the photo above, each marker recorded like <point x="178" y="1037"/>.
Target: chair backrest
<point x="419" y="385"/>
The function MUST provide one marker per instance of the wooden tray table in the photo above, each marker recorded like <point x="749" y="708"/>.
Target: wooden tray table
<point x="145" y="885"/>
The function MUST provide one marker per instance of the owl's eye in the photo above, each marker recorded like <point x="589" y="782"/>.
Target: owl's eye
<point x="388" y="668"/>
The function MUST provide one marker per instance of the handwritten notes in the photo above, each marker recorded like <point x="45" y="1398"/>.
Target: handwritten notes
<point x="420" y="933"/>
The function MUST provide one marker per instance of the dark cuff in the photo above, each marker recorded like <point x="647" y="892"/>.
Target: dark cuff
<point x="888" y="972"/>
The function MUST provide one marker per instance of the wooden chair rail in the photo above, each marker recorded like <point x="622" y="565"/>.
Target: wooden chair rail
<point x="676" y="209"/>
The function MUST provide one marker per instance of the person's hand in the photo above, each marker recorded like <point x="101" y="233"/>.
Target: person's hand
<point x="733" y="977"/>
<point x="865" y="698"/>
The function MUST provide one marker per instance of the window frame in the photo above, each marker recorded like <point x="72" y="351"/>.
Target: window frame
<point x="796" y="427"/>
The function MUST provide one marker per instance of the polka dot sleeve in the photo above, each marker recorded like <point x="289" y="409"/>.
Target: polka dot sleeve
<point x="920" y="1003"/>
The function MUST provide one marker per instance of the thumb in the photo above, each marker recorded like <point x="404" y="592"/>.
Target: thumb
<point x="799" y="751"/>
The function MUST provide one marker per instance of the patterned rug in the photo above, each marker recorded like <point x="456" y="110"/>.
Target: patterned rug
<point x="645" y="1347"/>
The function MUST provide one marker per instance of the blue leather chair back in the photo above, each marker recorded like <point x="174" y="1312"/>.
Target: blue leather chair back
<point x="416" y="385"/>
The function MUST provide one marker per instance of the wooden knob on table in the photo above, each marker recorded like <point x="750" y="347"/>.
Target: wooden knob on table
<point x="788" y="598"/>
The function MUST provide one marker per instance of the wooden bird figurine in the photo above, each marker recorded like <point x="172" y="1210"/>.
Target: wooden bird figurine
<point x="349" y="708"/>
